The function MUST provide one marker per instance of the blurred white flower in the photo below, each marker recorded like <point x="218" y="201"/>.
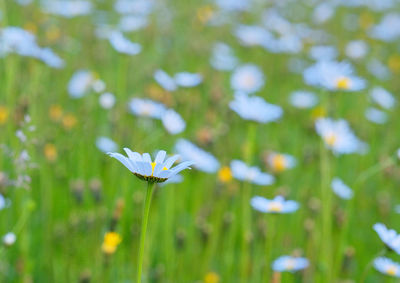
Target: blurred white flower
<point x="186" y="79"/>
<point x="333" y="75"/>
<point x="107" y="100"/>
<point x="376" y="116"/>
<point x="356" y="49"/>
<point x="98" y="85"/>
<point x="147" y="108"/>
<point x="338" y="136"/>
<point x="173" y="122"/>
<point x="303" y="99"/>
<point x="165" y="80"/>
<point x="122" y="44"/>
<point x="323" y="52"/>
<point x="241" y="171"/>
<point x="247" y="78"/>
<point x="290" y="263"/>
<point x="255" y="108"/>
<point x="276" y="205"/>
<point x="382" y="97"/>
<point x="80" y="83"/>
<point x="106" y="144"/>
<point x="222" y="57"/>
<point x="341" y="189"/>
<point x="9" y="239"/>
<point x="203" y="161"/>
<point x="67" y="8"/>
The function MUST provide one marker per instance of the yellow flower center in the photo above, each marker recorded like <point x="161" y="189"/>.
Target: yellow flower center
<point x="290" y="264"/>
<point x="343" y="83"/>
<point x="394" y="63"/>
<point x="110" y="243"/>
<point x="69" y="121"/>
<point x="275" y="207"/>
<point x="248" y="80"/>
<point x="3" y="115"/>
<point x="391" y="270"/>
<point x="318" y="112"/>
<point x="153" y="165"/>
<point x="50" y="151"/>
<point x="330" y="139"/>
<point x="211" y="277"/>
<point x="55" y="112"/>
<point x="147" y="109"/>
<point x="279" y="163"/>
<point x="205" y="13"/>
<point x="225" y="174"/>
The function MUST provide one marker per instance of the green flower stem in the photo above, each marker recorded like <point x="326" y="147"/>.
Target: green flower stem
<point x="365" y="175"/>
<point x="245" y="197"/>
<point x="146" y="211"/>
<point x="369" y="265"/>
<point x="326" y="195"/>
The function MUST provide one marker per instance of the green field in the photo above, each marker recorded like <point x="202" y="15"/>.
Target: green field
<point x="62" y="193"/>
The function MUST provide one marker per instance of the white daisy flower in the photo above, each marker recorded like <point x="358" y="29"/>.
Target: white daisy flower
<point x="253" y="174"/>
<point x="145" y="169"/>
<point x="387" y="266"/>
<point x="275" y="205"/>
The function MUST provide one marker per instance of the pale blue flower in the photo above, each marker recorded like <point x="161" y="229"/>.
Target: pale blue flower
<point x="252" y="35"/>
<point x="203" y="161"/>
<point x="233" y="5"/>
<point x="67" y="8"/>
<point x="382" y="97"/>
<point x="123" y="45"/>
<point x="303" y="99"/>
<point x="388" y="236"/>
<point x="132" y="22"/>
<point x="279" y="162"/>
<point x="253" y="174"/>
<point x="147" y="108"/>
<point x="276" y="205"/>
<point x="222" y="57"/>
<point x="341" y="189"/>
<point x="323" y="52"/>
<point x="375" y="115"/>
<point x="107" y="100"/>
<point x="387" y="266"/>
<point x="247" y="78"/>
<point x="323" y="12"/>
<point x="4" y="202"/>
<point x="144" y="168"/>
<point x="80" y="83"/>
<point x="255" y="108"/>
<point x="388" y="29"/>
<point x="356" y="49"/>
<point x="173" y="122"/>
<point x="334" y="76"/>
<point x="186" y="79"/>
<point x="289" y="263"/>
<point x="338" y="136"/>
<point x="137" y="7"/>
<point x="99" y="86"/>
<point x="165" y="80"/>
<point x="174" y="180"/>
<point x="182" y="79"/>
<point x="378" y="69"/>
<point x="24" y="2"/>
<point x="50" y="58"/>
<point x="106" y="144"/>
<point x="23" y="42"/>
<point x="9" y="239"/>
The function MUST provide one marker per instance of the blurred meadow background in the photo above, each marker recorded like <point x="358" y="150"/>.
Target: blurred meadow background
<point x="288" y="110"/>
